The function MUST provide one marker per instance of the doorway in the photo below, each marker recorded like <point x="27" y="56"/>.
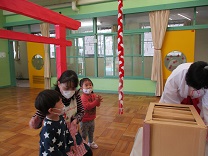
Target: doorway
<point x="35" y="52"/>
<point x="28" y="65"/>
<point x="20" y="63"/>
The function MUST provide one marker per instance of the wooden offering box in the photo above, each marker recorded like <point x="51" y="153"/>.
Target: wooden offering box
<point x="173" y="130"/>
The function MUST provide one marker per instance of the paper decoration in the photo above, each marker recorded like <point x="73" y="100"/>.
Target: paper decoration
<point x="120" y="54"/>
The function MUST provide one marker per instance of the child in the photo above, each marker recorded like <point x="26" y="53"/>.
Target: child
<point x="89" y="101"/>
<point x="66" y="85"/>
<point x="55" y="138"/>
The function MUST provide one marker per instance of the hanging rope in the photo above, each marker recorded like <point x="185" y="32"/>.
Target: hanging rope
<point x="120" y="54"/>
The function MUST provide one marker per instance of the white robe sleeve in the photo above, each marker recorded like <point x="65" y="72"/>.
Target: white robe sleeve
<point x="176" y="89"/>
<point x="170" y="93"/>
<point x="204" y="115"/>
<point x="204" y="110"/>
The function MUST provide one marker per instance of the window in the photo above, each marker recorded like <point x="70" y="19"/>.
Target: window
<point x="110" y="55"/>
<point x="75" y="56"/>
<point x="52" y="47"/>
<point x="89" y="46"/>
<point x="136" y="21"/>
<point x="181" y="17"/>
<point x="96" y="54"/>
<point x="202" y="15"/>
<point x="107" y="24"/>
<point x="148" y="44"/>
<point x="133" y="54"/>
<point x="86" y="27"/>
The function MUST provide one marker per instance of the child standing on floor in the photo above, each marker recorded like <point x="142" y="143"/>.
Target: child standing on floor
<point x="55" y="138"/>
<point x="90" y="101"/>
<point x="74" y="111"/>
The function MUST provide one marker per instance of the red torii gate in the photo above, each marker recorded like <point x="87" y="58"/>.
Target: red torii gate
<point x="32" y="10"/>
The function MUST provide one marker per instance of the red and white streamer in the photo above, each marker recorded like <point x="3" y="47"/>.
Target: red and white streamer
<point x="120" y="55"/>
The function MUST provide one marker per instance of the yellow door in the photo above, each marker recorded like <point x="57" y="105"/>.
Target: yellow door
<point x="178" y="47"/>
<point x="35" y="52"/>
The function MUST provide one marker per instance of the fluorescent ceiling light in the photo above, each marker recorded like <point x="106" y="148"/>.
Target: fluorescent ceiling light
<point x="184" y="17"/>
<point x="170" y="19"/>
<point x="87" y="24"/>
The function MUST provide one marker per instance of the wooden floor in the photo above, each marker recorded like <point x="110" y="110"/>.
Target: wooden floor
<point x="114" y="133"/>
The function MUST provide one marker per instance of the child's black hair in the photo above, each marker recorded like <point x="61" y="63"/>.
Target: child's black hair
<point x="83" y="80"/>
<point x="197" y="75"/>
<point x="67" y="76"/>
<point x="47" y="99"/>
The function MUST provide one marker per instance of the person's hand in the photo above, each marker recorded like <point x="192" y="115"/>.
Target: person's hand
<point x="35" y="122"/>
<point x="74" y="122"/>
<point x="73" y="127"/>
<point x="72" y="152"/>
<point x="99" y="99"/>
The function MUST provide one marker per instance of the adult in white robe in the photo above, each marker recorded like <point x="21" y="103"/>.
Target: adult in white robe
<point x="176" y="88"/>
<point x="177" y="91"/>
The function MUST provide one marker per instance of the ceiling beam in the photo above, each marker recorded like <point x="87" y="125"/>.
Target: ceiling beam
<point x="12" y="35"/>
<point x="27" y="8"/>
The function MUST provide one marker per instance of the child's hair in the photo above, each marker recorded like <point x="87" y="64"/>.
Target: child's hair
<point x="68" y="76"/>
<point x="83" y="80"/>
<point x="47" y="99"/>
<point x="197" y="75"/>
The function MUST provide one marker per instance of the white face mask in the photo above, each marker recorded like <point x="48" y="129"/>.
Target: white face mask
<point x="68" y="94"/>
<point x="195" y="93"/>
<point x="87" y="91"/>
<point x="60" y="111"/>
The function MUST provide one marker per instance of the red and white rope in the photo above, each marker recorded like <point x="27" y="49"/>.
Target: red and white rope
<point x="120" y="55"/>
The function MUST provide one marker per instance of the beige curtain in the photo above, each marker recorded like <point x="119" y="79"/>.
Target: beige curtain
<point x="114" y="28"/>
<point x="44" y="27"/>
<point x="158" y="23"/>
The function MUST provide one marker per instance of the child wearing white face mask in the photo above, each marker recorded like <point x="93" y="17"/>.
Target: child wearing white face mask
<point x="49" y="103"/>
<point x="90" y="101"/>
<point x="74" y="111"/>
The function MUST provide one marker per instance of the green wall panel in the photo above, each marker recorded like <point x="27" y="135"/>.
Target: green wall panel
<point x="4" y="61"/>
<point x="139" y="87"/>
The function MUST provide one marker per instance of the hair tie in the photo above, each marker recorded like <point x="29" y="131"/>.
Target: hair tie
<point x="206" y="67"/>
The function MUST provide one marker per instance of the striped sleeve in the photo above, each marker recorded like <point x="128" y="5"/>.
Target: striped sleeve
<point x="36" y="120"/>
<point x="80" y="108"/>
<point x="38" y="113"/>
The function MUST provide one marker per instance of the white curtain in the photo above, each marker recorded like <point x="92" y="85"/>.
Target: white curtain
<point x="17" y="54"/>
<point x="44" y="27"/>
<point x="158" y="23"/>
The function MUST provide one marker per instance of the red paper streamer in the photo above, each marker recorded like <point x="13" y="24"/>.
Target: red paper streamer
<point x="120" y="54"/>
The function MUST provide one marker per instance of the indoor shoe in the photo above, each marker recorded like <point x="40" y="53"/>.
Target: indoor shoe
<point x="93" y="145"/>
